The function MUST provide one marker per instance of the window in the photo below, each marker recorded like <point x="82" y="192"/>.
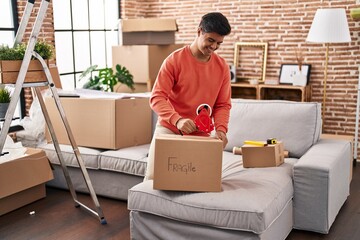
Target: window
<point x="8" y="21"/>
<point x="85" y="31"/>
<point x="8" y="27"/>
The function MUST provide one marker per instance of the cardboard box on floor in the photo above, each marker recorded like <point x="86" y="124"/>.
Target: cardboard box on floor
<point x="145" y="31"/>
<point x="187" y="163"/>
<point x="22" y="180"/>
<point x="143" y="61"/>
<point x="102" y="122"/>
<point x="268" y="156"/>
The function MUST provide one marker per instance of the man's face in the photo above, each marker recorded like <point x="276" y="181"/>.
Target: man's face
<point x="209" y="42"/>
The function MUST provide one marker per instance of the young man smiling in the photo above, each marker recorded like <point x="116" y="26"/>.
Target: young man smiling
<point x="189" y="77"/>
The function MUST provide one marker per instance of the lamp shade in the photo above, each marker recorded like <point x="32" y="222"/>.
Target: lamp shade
<point x="329" y="26"/>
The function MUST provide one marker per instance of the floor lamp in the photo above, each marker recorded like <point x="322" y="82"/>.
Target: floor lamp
<point x="355" y="15"/>
<point x="330" y="25"/>
<point x="357" y="121"/>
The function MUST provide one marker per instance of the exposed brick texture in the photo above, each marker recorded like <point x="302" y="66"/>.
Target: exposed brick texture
<point x="284" y="24"/>
<point x="46" y="34"/>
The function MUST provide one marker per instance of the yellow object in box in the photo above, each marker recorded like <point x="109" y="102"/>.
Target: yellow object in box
<point x="187" y="163"/>
<point x="271" y="155"/>
<point x="22" y="180"/>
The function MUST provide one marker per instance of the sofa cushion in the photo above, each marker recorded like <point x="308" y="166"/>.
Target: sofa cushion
<point x="297" y="124"/>
<point x="131" y="160"/>
<point x="90" y="156"/>
<point x="250" y="200"/>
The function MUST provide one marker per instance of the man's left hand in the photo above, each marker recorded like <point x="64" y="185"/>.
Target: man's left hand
<point x="222" y="136"/>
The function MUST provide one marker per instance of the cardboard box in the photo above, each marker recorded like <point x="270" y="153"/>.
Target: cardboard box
<point x="101" y="122"/>
<point x="145" y="31"/>
<point x="9" y="71"/>
<point x="138" y="88"/>
<point x="268" y="156"/>
<point x="143" y="61"/>
<point x="188" y="163"/>
<point x="22" y="180"/>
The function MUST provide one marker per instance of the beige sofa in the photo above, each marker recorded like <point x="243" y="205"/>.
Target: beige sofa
<point x="306" y="192"/>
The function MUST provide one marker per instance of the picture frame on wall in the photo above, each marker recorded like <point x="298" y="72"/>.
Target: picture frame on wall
<point x="250" y="61"/>
<point x="289" y="71"/>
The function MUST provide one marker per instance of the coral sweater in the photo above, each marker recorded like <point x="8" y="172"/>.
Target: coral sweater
<point x="183" y="83"/>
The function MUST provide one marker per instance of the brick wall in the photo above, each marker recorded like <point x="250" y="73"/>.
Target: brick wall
<point x="284" y="24"/>
<point x="46" y="34"/>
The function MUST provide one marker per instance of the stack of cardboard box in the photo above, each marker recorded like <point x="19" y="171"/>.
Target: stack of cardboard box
<point x="144" y="44"/>
<point x="22" y="180"/>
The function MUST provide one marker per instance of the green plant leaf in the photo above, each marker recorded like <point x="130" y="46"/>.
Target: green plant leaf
<point x="44" y="49"/>
<point x="106" y="79"/>
<point x="124" y="76"/>
<point x="87" y="71"/>
<point x="4" y="95"/>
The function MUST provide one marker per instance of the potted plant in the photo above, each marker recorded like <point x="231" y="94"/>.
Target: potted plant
<point x="11" y="60"/>
<point x="5" y="98"/>
<point x="44" y="49"/>
<point x="107" y="78"/>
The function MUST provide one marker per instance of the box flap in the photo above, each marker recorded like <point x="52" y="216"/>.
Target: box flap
<point x="25" y="172"/>
<point x="148" y="25"/>
<point x="187" y="138"/>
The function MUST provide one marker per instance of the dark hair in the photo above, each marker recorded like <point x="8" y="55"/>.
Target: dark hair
<point x="215" y="22"/>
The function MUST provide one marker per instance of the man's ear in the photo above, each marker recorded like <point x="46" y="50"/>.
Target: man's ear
<point x="199" y="31"/>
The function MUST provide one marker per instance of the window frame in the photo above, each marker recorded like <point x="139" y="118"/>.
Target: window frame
<point x="73" y="75"/>
<point x="15" y="18"/>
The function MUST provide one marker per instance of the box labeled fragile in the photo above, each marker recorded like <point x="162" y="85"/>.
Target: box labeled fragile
<point x="263" y="156"/>
<point x="105" y="123"/>
<point x="187" y="163"/>
<point x="145" y="31"/>
<point x="143" y="61"/>
<point x="22" y="180"/>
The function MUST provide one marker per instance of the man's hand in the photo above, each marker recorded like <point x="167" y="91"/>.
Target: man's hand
<point x="222" y="136"/>
<point x="186" y="125"/>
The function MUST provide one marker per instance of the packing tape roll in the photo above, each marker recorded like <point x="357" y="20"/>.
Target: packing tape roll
<point x="237" y="150"/>
<point x="355" y="13"/>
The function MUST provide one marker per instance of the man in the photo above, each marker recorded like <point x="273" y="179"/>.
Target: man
<point x="189" y="77"/>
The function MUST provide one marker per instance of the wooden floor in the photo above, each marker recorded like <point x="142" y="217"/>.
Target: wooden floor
<point x="56" y="218"/>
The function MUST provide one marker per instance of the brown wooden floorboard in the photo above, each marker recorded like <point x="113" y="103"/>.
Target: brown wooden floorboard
<point x="57" y="218"/>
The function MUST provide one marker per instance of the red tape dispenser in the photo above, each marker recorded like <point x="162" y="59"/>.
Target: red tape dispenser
<point x="203" y="119"/>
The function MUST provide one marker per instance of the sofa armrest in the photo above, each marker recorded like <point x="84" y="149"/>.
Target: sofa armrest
<point x="321" y="184"/>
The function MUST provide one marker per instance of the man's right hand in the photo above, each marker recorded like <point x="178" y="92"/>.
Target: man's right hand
<point x="186" y="125"/>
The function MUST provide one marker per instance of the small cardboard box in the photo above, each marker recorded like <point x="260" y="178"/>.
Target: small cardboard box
<point x="102" y="122"/>
<point x="9" y="71"/>
<point x="144" y="31"/>
<point x="22" y="180"/>
<point x="188" y="163"/>
<point x="268" y="156"/>
<point x="143" y="61"/>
